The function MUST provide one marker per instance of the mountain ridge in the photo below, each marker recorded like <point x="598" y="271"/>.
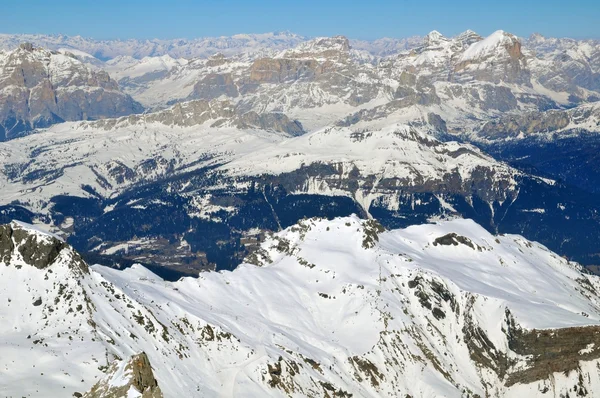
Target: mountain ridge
<point x="443" y="298"/>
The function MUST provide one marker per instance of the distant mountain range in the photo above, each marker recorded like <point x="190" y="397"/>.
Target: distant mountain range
<point x="192" y="48"/>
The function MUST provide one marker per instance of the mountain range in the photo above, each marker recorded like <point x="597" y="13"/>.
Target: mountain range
<point x="290" y="216"/>
<point x="233" y="144"/>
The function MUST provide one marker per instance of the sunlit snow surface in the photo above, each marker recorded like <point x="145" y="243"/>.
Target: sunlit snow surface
<point x="321" y="295"/>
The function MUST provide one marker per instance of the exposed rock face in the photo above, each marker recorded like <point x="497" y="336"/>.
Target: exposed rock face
<point x="552" y="123"/>
<point x="40" y="88"/>
<point x="6" y="244"/>
<point x="269" y="70"/>
<point x="555" y="350"/>
<point x="216" y="112"/>
<point x="133" y="378"/>
<point x="22" y="244"/>
<point x="215" y="85"/>
<point x="36" y="252"/>
<point x="269" y="121"/>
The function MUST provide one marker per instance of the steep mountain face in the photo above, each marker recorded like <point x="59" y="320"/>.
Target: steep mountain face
<point x="497" y="58"/>
<point x="40" y="88"/>
<point x="324" y="308"/>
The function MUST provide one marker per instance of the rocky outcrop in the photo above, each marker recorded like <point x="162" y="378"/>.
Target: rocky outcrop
<point x="218" y="113"/>
<point x="133" y="378"/>
<point x="21" y="243"/>
<point x="269" y="121"/>
<point x="552" y="351"/>
<point x="305" y="62"/>
<point x="40" y="88"/>
<point x="6" y="244"/>
<point x="215" y="85"/>
<point x="269" y="70"/>
<point x="552" y="123"/>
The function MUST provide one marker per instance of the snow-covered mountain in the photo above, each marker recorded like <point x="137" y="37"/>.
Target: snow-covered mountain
<point x="39" y="88"/>
<point x="324" y="308"/>
<point x="477" y="77"/>
<point x="367" y="200"/>
<point x="254" y="142"/>
<point x="320" y="80"/>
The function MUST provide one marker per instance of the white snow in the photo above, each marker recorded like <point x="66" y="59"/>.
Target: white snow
<point x="328" y="300"/>
<point x="487" y="46"/>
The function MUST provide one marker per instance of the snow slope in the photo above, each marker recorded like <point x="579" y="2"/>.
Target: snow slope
<point x="488" y="46"/>
<point x="77" y="154"/>
<point x="330" y="306"/>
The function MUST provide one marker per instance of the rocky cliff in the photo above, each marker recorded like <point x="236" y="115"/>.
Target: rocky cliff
<point x="41" y="87"/>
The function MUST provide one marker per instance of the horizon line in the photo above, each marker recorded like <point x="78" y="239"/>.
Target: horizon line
<point x="289" y="32"/>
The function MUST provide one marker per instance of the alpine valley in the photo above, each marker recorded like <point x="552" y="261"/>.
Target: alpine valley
<point x="277" y="215"/>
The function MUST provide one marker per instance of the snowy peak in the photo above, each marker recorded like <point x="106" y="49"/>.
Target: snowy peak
<point x="497" y="58"/>
<point x="537" y="37"/>
<point x="494" y="45"/>
<point x="30" y="65"/>
<point x="434" y="38"/>
<point x="468" y="37"/>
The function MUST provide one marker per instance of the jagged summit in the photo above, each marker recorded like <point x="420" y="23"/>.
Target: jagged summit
<point x="537" y="36"/>
<point x="468" y="37"/>
<point x="467" y="33"/>
<point x="26" y="46"/>
<point x="23" y="244"/>
<point x="434" y="37"/>
<point x="321" y="46"/>
<point x="132" y="378"/>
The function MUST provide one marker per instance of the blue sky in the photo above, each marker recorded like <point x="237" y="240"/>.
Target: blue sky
<point x="107" y="19"/>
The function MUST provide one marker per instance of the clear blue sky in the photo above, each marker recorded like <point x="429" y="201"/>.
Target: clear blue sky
<point x="107" y="19"/>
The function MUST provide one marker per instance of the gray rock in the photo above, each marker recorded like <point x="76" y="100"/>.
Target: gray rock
<point x="43" y="88"/>
<point x="215" y="85"/>
<point x="36" y="250"/>
<point x="222" y="113"/>
<point x="139" y="377"/>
